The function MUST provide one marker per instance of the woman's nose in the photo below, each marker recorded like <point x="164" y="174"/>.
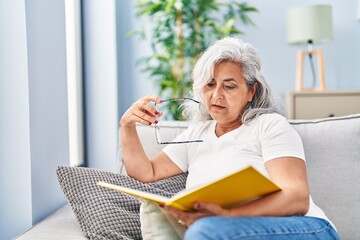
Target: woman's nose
<point x="218" y="92"/>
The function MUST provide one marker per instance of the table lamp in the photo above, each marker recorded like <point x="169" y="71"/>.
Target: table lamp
<point x="308" y="25"/>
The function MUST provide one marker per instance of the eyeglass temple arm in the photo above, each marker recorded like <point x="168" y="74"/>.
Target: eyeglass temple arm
<point x="180" y="99"/>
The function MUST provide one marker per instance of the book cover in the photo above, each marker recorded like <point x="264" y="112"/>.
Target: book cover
<point x="237" y="188"/>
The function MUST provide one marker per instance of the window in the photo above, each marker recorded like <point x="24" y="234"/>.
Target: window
<point x="74" y="82"/>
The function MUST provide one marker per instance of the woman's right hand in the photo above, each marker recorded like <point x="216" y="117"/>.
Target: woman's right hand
<point x="142" y="112"/>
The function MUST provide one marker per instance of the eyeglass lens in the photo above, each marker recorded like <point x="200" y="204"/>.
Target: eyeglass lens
<point x="157" y="129"/>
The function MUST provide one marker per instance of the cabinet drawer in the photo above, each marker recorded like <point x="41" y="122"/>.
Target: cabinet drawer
<point x="321" y="105"/>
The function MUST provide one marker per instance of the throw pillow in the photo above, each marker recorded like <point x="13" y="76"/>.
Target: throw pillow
<point x="104" y="213"/>
<point x="157" y="224"/>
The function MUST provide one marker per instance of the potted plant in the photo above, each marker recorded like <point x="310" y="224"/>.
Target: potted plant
<point x="181" y="30"/>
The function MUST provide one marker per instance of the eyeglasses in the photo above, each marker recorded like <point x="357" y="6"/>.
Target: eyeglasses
<point x="157" y="128"/>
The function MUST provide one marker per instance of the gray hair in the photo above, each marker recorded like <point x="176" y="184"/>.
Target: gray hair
<point x="238" y="51"/>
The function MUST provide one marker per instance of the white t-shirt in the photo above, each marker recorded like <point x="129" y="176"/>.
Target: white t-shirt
<point x="267" y="137"/>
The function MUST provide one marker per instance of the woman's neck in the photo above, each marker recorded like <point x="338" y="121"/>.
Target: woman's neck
<point x="221" y="129"/>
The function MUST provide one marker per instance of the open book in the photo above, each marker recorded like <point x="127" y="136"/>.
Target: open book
<point x="237" y="188"/>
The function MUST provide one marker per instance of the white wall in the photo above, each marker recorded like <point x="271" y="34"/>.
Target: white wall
<point x="269" y="37"/>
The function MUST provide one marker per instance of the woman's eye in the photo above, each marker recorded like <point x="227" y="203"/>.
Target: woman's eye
<point x="230" y="87"/>
<point x="210" y="85"/>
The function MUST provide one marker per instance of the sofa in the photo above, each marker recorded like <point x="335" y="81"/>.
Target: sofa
<point x="332" y="149"/>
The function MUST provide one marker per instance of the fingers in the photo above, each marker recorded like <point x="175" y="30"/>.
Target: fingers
<point x="185" y="218"/>
<point x="202" y="210"/>
<point x="210" y="208"/>
<point x="142" y="112"/>
<point x="146" y="113"/>
<point x="152" y="98"/>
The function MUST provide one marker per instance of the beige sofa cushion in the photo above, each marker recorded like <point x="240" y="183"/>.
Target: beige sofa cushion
<point x="332" y="150"/>
<point x="58" y="226"/>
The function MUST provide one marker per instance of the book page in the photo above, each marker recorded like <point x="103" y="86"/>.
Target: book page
<point x="136" y="193"/>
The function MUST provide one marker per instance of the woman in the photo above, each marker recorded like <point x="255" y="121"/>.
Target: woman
<point x="240" y="126"/>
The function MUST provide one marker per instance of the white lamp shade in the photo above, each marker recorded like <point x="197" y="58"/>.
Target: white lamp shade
<point x="309" y="23"/>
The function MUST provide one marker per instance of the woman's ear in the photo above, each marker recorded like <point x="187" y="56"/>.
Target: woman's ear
<point x="253" y="91"/>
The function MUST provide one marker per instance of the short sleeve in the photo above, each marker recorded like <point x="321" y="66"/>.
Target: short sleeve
<point x="278" y="138"/>
<point x="178" y="153"/>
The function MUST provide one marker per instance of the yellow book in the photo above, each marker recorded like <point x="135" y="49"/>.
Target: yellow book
<point x="237" y="188"/>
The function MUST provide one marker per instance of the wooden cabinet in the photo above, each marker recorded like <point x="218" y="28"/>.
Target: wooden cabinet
<point x="310" y="105"/>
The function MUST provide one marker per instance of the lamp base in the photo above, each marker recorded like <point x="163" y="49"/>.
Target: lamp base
<point x="300" y="71"/>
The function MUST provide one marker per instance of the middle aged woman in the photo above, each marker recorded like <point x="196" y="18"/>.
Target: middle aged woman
<point x="239" y="126"/>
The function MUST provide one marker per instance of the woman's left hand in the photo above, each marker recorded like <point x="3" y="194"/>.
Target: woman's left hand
<point x="202" y="210"/>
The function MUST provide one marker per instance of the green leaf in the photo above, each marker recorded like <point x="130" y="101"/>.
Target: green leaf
<point x="150" y="9"/>
<point x="229" y="24"/>
<point x="173" y="57"/>
<point x="169" y="5"/>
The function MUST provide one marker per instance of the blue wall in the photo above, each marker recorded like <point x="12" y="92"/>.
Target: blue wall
<point x="49" y="140"/>
<point x="269" y="37"/>
<point x="341" y="55"/>
<point x="33" y="112"/>
<point x="101" y="87"/>
<point x="15" y="169"/>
